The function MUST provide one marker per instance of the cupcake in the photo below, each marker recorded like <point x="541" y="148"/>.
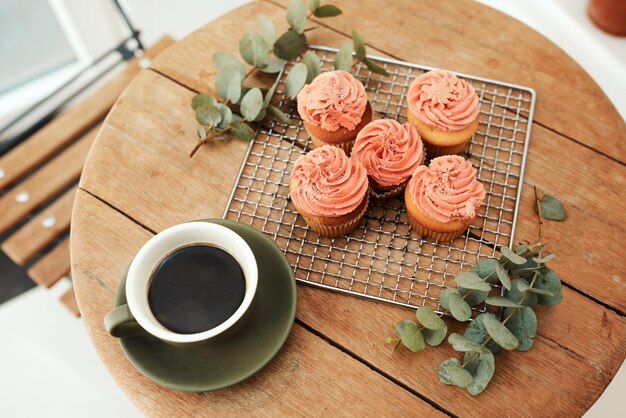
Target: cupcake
<point x="444" y="109"/>
<point x="443" y="198"/>
<point x="390" y="153"/>
<point x="329" y="190"/>
<point x="334" y="109"/>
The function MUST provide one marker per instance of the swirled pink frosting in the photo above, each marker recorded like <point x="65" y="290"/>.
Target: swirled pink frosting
<point x="442" y="100"/>
<point x="326" y="182"/>
<point x="334" y="99"/>
<point x="447" y="189"/>
<point x="389" y="151"/>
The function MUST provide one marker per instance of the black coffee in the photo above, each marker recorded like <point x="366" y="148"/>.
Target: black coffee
<point x="196" y="288"/>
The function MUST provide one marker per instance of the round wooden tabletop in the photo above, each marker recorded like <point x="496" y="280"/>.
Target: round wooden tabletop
<point x="139" y="180"/>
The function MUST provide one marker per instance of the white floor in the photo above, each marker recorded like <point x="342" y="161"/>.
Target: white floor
<point x="46" y="352"/>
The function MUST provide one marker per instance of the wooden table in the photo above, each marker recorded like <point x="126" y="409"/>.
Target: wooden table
<point x="139" y="180"/>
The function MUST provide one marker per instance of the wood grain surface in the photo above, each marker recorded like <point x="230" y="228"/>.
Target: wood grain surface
<point x="139" y="180"/>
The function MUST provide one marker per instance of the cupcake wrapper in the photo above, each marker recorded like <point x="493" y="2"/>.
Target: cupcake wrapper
<point x="346" y="146"/>
<point x="434" y="151"/>
<point x="336" y="230"/>
<point x="382" y="195"/>
<point x="434" y="235"/>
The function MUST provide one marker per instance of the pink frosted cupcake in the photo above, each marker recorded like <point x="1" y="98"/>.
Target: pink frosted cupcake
<point x="390" y="153"/>
<point x="443" y="198"/>
<point x="329" y="190"/>
<point x="444" y="109"/>
<point x="334" y="108"/>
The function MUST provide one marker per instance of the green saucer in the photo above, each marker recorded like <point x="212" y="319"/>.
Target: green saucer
<point x="229" y="361"/>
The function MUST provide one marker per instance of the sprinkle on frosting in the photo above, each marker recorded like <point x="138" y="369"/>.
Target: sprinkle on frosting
<point x="326" y="182"/>
<point x="447" y="189"/>
<point x="442" y="100"/>
<point x="389" y="151"/>
<point x="334" y="99"/>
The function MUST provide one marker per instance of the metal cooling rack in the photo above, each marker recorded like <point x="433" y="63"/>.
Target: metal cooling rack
<point x="382" y="259"/>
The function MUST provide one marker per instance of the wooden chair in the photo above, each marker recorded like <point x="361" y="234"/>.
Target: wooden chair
<point x="39" y="179"/>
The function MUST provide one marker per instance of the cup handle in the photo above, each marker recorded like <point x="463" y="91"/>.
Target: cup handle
<point x="120" y="323"/>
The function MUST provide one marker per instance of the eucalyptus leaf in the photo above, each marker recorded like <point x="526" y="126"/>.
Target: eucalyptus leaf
<point x="280" y="115"/>
<point x="251" y="104"/>
<point x="502" y="301"/>
<point x="525" y="270"/>
<point x="461" y="343"/>
<point x="201" y="132"/>
<point x="428" y="318"/>
<point x="476" y="332"/>
<point x="509" y="256"/>
<point x="359" y="45"/>
<point x="327" y="10"/>
<point x="267" y="29"/>
<point x="227" y="115"/>
<point x="499" y="333"/>
<point x="296" y="15"/>
<point x="274" y="66"/>
<point x="515" y="294"/>
<point x="460" y="310"/>
<point x="244" y="90"/>
<point x="228" y="83"/>
<point x="550" y="281"/>
<point x="270" y="93"/>
<point x="241" y="130"/>
<point x="481" y="368"/>
<point x="202" y="99"/>
<point x="314" y="4"/>
<point x="290" y="45"/>
<point x="343" y="59"/>
<point x="295" y="80"/>
<point x="434" y="337"/>
<point x="503" y="276"/>
<point x="524" y="287"/>
<point x="444" y="297"/>
<point x="254" y="50"/>
<point x="208" y="115"/>
<point x="471" y="280"/>
<point x="450" y="372"/>
<point x="523" y="324"/>
<point x="544" y="260"/>
<point x="486" y="269"/>
<point x="471" y="296"/>
<point x="222" y="59"/>
<point x="551" y="208"/>
<point x="410" y="335"/>
<point x="260" y="116"/>
<point x="375" y="68"/>
<point x="313" y="65"/>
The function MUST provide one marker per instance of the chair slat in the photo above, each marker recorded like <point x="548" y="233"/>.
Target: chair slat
<point x="71" y="122"/>
<point x="69" y="300"/>
<point x="52" y="266"/>
<point x="40" y="231"/>
<point x="44" y="183"/>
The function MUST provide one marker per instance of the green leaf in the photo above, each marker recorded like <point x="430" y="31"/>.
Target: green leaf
<point x="296" y="15"/>
<point x="450" y="372"/>
<point x="202" y="99"/>
<point x="551" y="208"/>
<point x="274" y="66"/>
<point x="281" y="116"/>
<point x="295" y="80"/>
<point x="314" y="4"/>
<point x="471" y="280"/>
<point x="474" y="297"/>
<point x="428" y="318"/>
<point x="227" y="115"/>
<point x="343" y="59"/>
<point x="373" y="67"/>
<point x="254" y="50"/>
<point x="544" y="260"/>
<point x="510" y="256"/>
<point x="290" y="45"/>
<point x="523" y="324"/>
<point x="201" y="132"/>
<point x="460" y="310"/>
<point x="270" y="93"/>
<point x="267" y="29"/>
<point x="222" y="59"/>
<point x="434" y="337"/>
<point x="359" y="45"/>
<point x="476" y="332"/>
<point x="410" y="335"/>
<point x="502" y="302"/>
<point x="550" y="281"/>
<point x="208" y="115"/>
<point x="251" y="104"/>
<point x="244" y="90"/>
<point x="461" y="343"/>
<point x="503" y="276"/>
<point x="241" y="130"/>
<point x="313" y="65"/>
<point x="228" y="83"/>
<point x="524" y="287"/>
<point x="481" y="368"/>
<point x="499" y="333"/>
<point x="515" y="294"/>
<point x="485" y="268"/>
<point x="328" y="10"/>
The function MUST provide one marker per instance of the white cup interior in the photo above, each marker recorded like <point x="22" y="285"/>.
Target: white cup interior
<point x="161" y="245"/>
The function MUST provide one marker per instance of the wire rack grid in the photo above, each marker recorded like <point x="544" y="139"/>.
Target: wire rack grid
<point x="382" y="259"/>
